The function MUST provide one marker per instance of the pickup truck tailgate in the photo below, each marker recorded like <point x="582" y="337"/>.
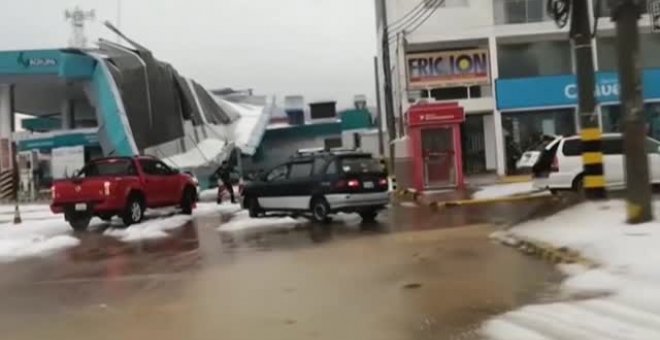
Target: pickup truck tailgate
<point x="84" y="190"/>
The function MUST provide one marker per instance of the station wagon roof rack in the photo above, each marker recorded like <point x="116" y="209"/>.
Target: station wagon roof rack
<point x="320" y="151"/>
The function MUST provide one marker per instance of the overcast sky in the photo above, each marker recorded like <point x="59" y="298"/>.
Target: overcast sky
<point x="322" y="49"/>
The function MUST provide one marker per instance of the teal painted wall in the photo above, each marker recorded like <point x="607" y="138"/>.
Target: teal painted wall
<point x="308" y="130"/>
<point x="41" y="124"/>
<point x="356" y="119"/>
<point x="46" y="144"/>
<point x="76" y="66"/>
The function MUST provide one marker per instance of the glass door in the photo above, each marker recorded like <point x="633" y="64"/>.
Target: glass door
<point x="439" y="157"/>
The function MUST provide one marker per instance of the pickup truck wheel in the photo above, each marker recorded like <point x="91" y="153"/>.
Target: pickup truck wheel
<point x="134" y="211"/>
<point x="79" y="222"/>
<point x="188" y="201"/>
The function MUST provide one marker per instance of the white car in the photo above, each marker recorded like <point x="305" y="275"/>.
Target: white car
<point x="560" y="165"/>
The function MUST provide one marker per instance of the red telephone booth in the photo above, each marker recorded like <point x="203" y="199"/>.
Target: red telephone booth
<point x="435" y="142"/>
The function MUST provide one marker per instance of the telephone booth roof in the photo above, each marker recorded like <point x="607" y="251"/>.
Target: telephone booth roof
<point x="435" y="114"/>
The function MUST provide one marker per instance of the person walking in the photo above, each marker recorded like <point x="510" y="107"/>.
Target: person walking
<point x="224" y="174"/>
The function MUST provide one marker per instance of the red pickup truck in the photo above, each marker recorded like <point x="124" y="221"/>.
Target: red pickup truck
<point x="123" y="186"/>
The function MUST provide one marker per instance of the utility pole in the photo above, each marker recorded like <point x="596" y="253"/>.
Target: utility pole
<point x="17" y="179"/>
<point x="591" y="134"/>
<point x="593" y="181"/>
<point x="638" y="190"/>
<point x="389" y="105"/>
<point x="379" y="116"/>
<point x="14" y="158"/>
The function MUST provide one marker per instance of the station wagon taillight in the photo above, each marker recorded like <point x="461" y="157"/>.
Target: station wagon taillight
<point x="383" y="182"/>
<point x="354" y="183"/>
<point x="106" y="188"/>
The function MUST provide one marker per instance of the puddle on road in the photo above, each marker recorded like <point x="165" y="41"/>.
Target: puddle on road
<point x="436" y="282"/>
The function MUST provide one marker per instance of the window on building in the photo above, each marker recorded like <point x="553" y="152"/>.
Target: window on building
<point x="649" y="45"/>
<point x="523" y="131"/>
<point x="300" y="170"/>
<point x="475" y="91"/>
<point x="447" y="93"/>
<point x="458" y="92"/>
<point x="357" y="140"/>
<point x="613" y="119"/>
<point x="543" y="58"/>
<point x="602" y="8"/>
<point x="519" y="11"/>
<point x="332" y="143"/>
<point x="474" y="144"/>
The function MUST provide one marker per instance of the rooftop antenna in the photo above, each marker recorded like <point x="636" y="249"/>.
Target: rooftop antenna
<point x="77" y="17"/>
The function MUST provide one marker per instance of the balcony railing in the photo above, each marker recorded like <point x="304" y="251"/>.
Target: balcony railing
<point x="520" y="11"/>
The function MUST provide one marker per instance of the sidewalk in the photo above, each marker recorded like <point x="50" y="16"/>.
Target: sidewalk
<point x="29" y="212"/>
<point x="43" y="233"/>
<point x="488" y="192"/>
<point x="619" y="299"/>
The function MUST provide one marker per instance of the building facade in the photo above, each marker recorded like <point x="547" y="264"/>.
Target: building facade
<point x="510" y="67"/>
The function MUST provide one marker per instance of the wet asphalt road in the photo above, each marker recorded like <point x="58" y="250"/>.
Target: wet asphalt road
<point x="417" y="274"/>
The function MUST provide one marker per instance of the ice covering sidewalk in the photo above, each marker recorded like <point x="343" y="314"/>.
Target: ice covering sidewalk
<point x="43" y="233"/>
<point x="620" y="299"/>
<point x="504" y="190"/>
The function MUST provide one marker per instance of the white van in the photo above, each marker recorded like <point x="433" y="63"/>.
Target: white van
<point x="560" y="165"/>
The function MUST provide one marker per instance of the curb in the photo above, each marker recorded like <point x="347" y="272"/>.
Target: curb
<point x="514" y="179"/>
<point x="408" y="195"/>
<point x="543" y="250"/>
<point x="411" y="195"/>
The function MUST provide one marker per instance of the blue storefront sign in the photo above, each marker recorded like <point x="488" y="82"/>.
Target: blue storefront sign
<point x="555" y="91"/>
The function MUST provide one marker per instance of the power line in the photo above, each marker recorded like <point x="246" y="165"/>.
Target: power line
<point x="430" y="14"/>
<point x="407" y="15"/>
<point x="414" y="18"/>
<point x="415" y="22"/>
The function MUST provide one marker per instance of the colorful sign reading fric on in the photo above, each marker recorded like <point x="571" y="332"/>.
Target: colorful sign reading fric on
<point x="444" y="69"/>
